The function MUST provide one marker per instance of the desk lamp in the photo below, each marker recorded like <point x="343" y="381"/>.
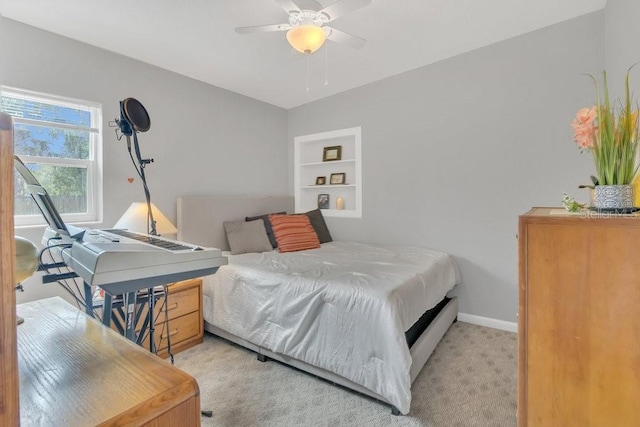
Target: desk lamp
<point x="26" y="263"/>
<point x="135" y="219"/>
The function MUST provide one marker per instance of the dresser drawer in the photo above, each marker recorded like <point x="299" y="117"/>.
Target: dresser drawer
<point x="179" y="329"/>
<point x="181" y="302"/>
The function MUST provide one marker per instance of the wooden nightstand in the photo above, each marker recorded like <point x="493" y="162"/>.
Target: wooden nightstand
<point x="184" y="311"/>
<point x="185" y="327"/>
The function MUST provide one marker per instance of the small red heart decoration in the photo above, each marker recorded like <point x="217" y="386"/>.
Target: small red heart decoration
<point x="130" y="180"/>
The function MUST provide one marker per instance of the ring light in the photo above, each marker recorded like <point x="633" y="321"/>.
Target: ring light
<point x="135" y="113"/>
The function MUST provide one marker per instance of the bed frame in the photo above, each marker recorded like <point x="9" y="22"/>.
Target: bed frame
<point x="200" y="221"/>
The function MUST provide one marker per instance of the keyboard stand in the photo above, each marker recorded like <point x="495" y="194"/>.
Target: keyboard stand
<point x="130" y="319"/>
<point x="127" y="306"/>
<point x="109" y="265"/>
<point x="128" y="311"/>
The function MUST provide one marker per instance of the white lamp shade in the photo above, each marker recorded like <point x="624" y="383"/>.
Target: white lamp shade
<point x="135" y="219"/>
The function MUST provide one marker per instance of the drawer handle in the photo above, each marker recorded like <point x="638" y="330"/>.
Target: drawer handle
<point x="163" y="336"/>
<point x="172" y="306"/>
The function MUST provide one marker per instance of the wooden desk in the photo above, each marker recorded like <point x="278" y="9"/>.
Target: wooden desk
<point x="75" y="371"/>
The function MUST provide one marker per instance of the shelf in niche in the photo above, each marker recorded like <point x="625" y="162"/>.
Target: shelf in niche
<point x="309" y="147"/>
<point x="333" y="162"/>
<point x="319" y="187"/>
<point x="345" y="213"/>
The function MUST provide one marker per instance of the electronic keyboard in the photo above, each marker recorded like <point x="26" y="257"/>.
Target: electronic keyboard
<point x="121" y="261"/>
<point x="118" y="261"/>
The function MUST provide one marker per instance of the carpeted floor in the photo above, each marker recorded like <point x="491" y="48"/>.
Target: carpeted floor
<point x="470" y="380"/>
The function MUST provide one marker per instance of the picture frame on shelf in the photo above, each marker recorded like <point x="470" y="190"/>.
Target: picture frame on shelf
<point x="333" y="153"/>
<point x="338" y="178"/>
<point x="321" y="180"/>
<point x="323" y="201"/>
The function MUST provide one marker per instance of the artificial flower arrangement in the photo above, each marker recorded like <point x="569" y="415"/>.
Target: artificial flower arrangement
<point x="610" y="133"/>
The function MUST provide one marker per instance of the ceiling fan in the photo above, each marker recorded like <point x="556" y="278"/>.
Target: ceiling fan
<point x="306" y="29"/>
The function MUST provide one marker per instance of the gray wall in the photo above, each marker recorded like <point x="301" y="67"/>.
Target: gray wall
<point x="205" y="140"/>
<point x="455" y="151"/>
<point x="622" y="34"/>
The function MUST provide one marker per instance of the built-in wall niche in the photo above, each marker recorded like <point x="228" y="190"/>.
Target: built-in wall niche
<point x="328" y="172"/>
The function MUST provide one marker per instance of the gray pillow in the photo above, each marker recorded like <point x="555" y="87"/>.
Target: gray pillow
<point x="267" y="226"/>
<point x="244" y="237"/>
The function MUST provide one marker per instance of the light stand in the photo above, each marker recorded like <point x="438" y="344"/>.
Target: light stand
<point x="142" y="163"/>
<point x="133" y="119"/>
<point x="151" y="227"/>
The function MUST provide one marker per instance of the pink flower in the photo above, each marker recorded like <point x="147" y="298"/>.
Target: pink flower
<point x="584" y="128"/>
<point x="585" y="116"/>
<point x="584" y="136"/>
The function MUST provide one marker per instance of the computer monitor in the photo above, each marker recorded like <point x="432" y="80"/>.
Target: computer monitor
<point x="45" y="204"/>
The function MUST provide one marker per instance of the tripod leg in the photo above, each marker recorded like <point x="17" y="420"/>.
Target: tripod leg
<point x="107" y="307"/>
<point x="129" y="314"/>
<point x="152" y="327"/>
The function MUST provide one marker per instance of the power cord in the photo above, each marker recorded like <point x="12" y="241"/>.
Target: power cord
<point x="55" y="268"/>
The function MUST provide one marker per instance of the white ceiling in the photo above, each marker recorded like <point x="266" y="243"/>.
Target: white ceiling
<point x="196" y="38"/>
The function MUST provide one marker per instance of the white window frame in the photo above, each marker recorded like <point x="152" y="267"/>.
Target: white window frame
<point x="93" y="164"/>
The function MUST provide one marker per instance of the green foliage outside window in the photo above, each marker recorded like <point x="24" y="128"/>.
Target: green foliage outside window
<point x="51" y="131"/>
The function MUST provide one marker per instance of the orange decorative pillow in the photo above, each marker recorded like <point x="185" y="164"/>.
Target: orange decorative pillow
<point x="293" y="232"/>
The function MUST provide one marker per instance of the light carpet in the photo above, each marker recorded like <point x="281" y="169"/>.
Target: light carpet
<point x="470" y="380"/>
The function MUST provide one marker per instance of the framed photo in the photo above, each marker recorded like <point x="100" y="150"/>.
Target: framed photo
<point x="337" y="178"/>
<point x="323" y="201"/>
<point x="332" y="153"/>
<point x="321" y="180"/>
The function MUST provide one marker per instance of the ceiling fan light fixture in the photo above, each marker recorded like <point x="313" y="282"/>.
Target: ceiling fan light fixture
<point x="306" y="38"/>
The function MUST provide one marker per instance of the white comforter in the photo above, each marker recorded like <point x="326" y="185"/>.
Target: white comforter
<point x="343" y="307"/>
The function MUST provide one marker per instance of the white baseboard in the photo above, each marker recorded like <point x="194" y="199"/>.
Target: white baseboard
<point x="488" y="322"/>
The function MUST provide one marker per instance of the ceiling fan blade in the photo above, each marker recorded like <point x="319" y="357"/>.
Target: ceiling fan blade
<point x="288" y="5"/>
<point x="342" y="7"/>
<point x="344" y="38"/>
<point x="263" y="28"/>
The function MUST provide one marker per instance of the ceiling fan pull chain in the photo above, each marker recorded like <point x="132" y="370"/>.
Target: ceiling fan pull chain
<point x="307" y="55"/>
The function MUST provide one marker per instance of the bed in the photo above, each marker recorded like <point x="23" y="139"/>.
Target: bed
<point x="363" y="316"/>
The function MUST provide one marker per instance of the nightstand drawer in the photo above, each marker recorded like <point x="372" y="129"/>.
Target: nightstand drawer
<point x="179" y="329"/>
<point x="181" y="302"/>
<point x="184" y="311"/>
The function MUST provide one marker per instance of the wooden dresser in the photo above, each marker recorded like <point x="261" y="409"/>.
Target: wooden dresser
<point x="579" y="319"/>
<point x="9" y="411"/>
<point x="185" y="327"/>
<point x="74" y="371"/>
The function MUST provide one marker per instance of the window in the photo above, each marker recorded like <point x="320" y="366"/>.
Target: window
<point x="60" y="140"/>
